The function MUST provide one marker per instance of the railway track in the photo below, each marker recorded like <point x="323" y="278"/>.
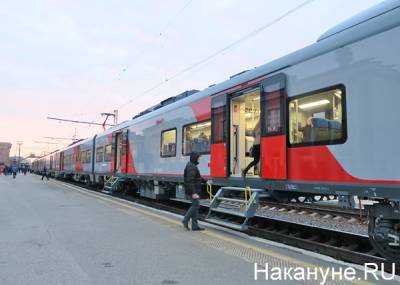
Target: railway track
<point x="318" y="210"/>
<point x="345" y="246"/>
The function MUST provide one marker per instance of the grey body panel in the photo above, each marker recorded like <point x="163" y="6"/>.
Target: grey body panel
<point x="370" y="71"/>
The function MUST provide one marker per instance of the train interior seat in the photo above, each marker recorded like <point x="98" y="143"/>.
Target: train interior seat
<point x="325" y="130"/>
<point x="320" y="129"/>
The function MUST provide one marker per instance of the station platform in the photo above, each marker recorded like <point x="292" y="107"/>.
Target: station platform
<point x="57" y="233"/>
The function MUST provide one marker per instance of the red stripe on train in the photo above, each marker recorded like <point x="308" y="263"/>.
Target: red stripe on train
<point x="218" y="160"/>
<point x="202" y="109"/>
<point x="131" y="164"/>
<point x="319" y="164"/>
<point x="273" y="157"/>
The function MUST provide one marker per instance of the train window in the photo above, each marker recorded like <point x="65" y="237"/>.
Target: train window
<point x="318" y="118"/>
<point x="99" y="154"/>
<point x="218" y="115"/>
<point x="108" y="152"/>
<point x="196" y="137"/>
<point x="272" y="109"/>
<point x="86" y="156"/>
<point x="83" y="156"/>
<point x="168" y="143"/>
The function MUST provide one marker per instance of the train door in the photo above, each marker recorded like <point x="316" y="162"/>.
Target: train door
<point x="218" y="162"/>
<point x="61" y="161"/>
<point x="121" y="154"/>
<point x="244" y="131"/>
<point x="273" y="126"/>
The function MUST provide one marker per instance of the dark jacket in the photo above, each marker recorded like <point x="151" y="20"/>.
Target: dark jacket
<point x="191" y="176"/>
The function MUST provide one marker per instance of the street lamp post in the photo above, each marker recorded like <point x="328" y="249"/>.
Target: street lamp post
<point x="19" y="153"/>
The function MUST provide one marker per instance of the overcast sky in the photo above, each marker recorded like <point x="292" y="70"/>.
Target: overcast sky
<point x="76" y="59"/>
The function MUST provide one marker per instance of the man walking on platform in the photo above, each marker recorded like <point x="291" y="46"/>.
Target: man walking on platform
<point x="44" y="174"/>
<point x="14" y="170"/>
<point x="192" y="183"/>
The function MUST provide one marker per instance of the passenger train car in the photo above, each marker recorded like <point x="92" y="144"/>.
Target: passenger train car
<point x="329" y="116"/>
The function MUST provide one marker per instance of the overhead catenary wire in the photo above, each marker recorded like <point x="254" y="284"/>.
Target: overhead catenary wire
<point x="218" y="52"/>
<point x="169" y="23"/>
<point x="161" y="33"/>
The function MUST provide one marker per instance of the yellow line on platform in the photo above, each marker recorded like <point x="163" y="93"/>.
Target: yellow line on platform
<point x="209" y="232"/>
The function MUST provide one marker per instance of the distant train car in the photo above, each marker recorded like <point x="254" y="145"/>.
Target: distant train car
<point x="75" y="161"/>
<point x="39" y="164"/>
<point x="328" y="116"/>
<point x="35" y="166"/>
<point x="103" y="156"/>
<point x="55" y="164"/>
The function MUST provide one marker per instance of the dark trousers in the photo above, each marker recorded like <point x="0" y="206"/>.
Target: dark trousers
<point x="256" y="153"/>
<point x="192" y="213"/>
<point x="45" y="175"/>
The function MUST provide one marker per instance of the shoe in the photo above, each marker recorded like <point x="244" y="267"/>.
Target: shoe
<point x="185" y="226"/>
<point x="198" y="229"/>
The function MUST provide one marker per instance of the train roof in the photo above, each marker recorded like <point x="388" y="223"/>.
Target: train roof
<point x="78" y="142"/>
<point x="120" y="126"/>
<point x="362" y="17"/>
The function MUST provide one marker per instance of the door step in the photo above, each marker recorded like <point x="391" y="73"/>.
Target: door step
<point x="112" y="184"/>
<point x="232" y="207"/>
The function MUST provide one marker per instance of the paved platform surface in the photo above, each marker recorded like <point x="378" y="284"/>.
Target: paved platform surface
<point x="55" y="233"/>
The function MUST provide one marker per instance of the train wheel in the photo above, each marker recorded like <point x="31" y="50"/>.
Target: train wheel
<point x="317" y="198"/>
<point x="384" y="230"/>
<point x="87" y="181"/>
<point x="301" y="199"/>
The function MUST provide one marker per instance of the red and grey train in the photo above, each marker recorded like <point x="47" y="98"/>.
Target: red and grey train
<point x="329" y="116"/>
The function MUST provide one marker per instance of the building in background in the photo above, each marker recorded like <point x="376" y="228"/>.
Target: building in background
<point x="5" y="152"/>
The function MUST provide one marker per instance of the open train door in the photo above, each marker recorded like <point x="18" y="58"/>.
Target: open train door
<point x="218" y="160"/>
<point x="273" y="124"/>
<point x="121" y="154"/>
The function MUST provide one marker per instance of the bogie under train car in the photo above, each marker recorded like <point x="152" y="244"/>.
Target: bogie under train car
<point x="328" y="115"/>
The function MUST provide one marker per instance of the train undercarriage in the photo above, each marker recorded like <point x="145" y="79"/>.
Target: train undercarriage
<point x="384" y="229"/>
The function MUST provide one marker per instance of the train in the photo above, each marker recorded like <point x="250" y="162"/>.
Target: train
<point x="328" y="114"/>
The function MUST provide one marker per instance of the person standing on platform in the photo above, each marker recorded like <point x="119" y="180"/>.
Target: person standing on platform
<point x="192" y="183"/>
<point x="14" y="170"/>
<point x="45" y="174"/>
